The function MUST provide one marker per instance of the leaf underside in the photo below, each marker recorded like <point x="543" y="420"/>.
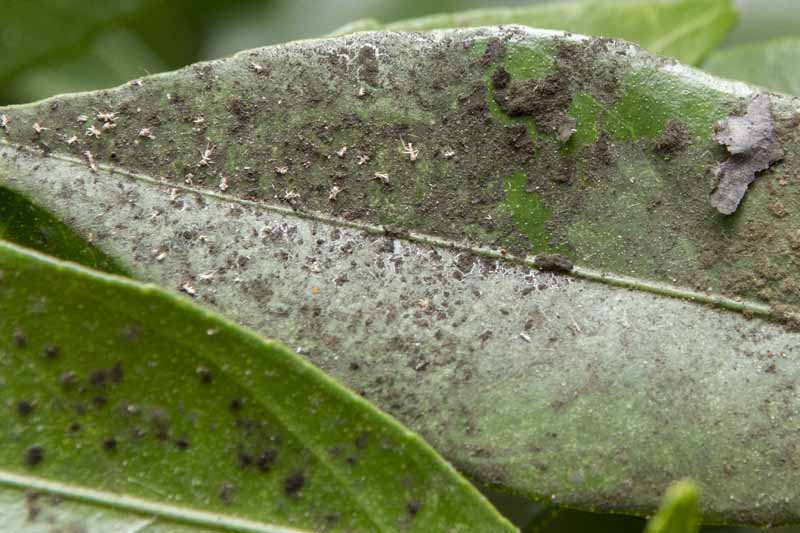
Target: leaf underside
<point x="375" y="201"/>
<point x="126" y="397"/>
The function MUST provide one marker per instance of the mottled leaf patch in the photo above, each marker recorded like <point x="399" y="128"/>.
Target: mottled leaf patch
<point x="753" y="146"/>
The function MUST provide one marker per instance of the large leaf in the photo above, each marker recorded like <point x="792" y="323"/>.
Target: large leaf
<point x="128" y="398"/>
<point x="685" y="29"/>
<point x="772" y="64"/>
<point x="401" y="264"/>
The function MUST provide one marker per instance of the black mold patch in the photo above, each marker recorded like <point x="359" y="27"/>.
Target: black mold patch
<point x="51" y="351"/>
<point x="25" y="408"/>
<point x="19" y="338"/>
<point x="34" y="455"/>
<point x="294" y="483"/>
<point x="413" y="507"/>
<point x="204" y="374"/>
<point x="553" y="263"/>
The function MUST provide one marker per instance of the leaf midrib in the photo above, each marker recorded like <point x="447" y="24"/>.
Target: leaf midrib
<point x="721" y="301"/>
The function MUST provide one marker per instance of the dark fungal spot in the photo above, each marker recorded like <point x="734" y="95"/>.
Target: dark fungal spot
<point x="69" y="379"/>
<point x="413" y="507"/>
<point x="227" y="492"/>
<point x="553" y="263"/>
<point x="51" y="351"/>
<point x="24" y="407"/>
<point x="266" y="459"/>
<point x="362" y="440"/>
<point x="245" y="459"/>
<point x="500" y="78"/>
<point x="204" y="374"/>
<point x="98" y="378"/>
<point x="74" y="427"/>
<point x="182" y="443"/>
<point x="674" y="138"/>
<point x="99" y="401"/>
<point x="19" y="338"/>
<point x="116" y="373"/>
<point x="110" y="444"/>
<point x="34" y="455"/>
<point x="236" y="405"/>
<point x="355" y="366"/>
<point x="293" y="483"/>
<point x="32" y="503"/>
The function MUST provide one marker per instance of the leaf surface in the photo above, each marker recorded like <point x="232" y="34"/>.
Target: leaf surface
<point x="560" y="313"/>
<point x="126" y="397"/>
<point x="684" y="29"/>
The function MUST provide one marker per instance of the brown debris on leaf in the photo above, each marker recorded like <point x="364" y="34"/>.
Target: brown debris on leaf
<point x="753" y="147"/>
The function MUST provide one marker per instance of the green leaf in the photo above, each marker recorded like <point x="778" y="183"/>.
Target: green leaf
<point x="684" y="29"/>
<point x="562" y="314"/>
<point x="679" y="511"/>
<point x="125" y="397"/>
<point x="772" y="64"/>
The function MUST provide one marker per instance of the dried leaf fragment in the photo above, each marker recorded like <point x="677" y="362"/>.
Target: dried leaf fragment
<point x="753" y="147"/>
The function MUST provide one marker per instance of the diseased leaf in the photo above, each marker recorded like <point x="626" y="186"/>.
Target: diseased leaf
<point x="550" y="308"/>
<point x="772" y="64"/>
<point x="678" y="512"/>
<point x="123" y="396"/>
<point x="684" y="29"/>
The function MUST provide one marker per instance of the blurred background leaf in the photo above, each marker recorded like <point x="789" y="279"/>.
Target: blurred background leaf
<point x="54" y="46"/>
<point x="773" y="64"/>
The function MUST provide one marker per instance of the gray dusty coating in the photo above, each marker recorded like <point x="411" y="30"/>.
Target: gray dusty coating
<point x="581" y="393"/>
<point x="753" y="145"/>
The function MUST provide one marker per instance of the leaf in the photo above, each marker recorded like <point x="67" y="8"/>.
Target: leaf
<point x="679" y="510"/>
<point x="125" y="397"/>
<point x="685" y="29"/>
<point x="772" y="64"/>
<point x="563" y="314"/>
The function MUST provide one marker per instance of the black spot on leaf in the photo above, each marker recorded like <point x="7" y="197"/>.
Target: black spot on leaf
<point x="293" y="484"/>
<point x="19" y="338"/>
<point x="24" y="407"/>
<point x="266" y="459"/>
<point x="51" y="351"/>
<point x="110" y="444"/>
<point x="34" y="455"/>
<point x="362" y="440"/>
<point x="204" y="374"/>
<point x="116" y="373"/>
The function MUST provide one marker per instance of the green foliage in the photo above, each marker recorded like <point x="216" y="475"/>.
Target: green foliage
<point x="129" y="391"/>
<point x="685" y="29"/>
<point x="679" y="512"/>
<point x="773" y="64"/>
